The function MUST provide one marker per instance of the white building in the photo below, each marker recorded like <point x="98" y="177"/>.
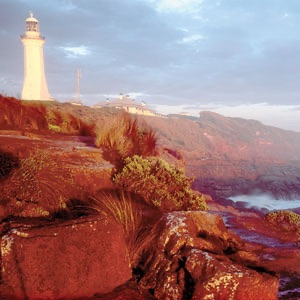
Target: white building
<point x="35" y="85"/>
<point x="128" y="104"/>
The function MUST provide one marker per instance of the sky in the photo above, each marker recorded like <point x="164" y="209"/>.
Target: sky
<point x="235" y="57"/>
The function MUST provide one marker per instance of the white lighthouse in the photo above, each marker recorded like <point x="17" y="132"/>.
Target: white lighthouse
<point x="35" y="85"/>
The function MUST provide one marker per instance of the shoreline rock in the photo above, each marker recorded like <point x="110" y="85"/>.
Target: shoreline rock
<point x="70" y="260"/>
<point x="196" y="257"/>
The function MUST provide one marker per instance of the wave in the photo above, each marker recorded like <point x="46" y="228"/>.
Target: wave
<point x="265" y="201"/>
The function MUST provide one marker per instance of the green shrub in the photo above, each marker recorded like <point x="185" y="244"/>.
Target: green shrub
<point x="124" y="136"/>
<point x="285" y="219"/>
<point x="54" y="128"/>
<point x="159" y="183"/>
<point x="67" y="123"/>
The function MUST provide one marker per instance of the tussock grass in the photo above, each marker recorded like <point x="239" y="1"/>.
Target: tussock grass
<point x="124" y="136"/>
<point x="63" y="122"/>
<point x="36" y="185"/>
<point x="34" y="115"/>
<point x="15" y="115"/>
<point x="121" y="208"/>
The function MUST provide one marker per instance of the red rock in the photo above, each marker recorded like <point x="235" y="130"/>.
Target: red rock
<point x="219" y="278"/>
<point x="196" y="257"/>
<point x="70" y="260"/>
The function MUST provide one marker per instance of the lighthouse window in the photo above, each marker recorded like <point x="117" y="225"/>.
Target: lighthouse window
<point x="32" y="26"/>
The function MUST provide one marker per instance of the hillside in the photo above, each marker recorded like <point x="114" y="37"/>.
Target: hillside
<point x="227" y="156"/>
<point x="211" y="135"/>
<point x="226" y="137"/>
<point x="50" y="117"/>
<point x="142" y="234"/>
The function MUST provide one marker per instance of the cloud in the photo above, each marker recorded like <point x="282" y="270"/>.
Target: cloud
<point x="177" y="5"/>
<point x="75" y="52"/>
<point x="67" y="5"/>
<point x="192" y="39"/>
<point x="211" y="52"/>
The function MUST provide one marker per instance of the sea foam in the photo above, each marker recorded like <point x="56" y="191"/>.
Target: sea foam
<point x="266" y="201"/>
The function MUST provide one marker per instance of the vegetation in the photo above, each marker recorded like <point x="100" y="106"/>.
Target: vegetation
<point x="124" y="136"/>
<point x="121" y="208"/>
<point x="160" y="184"/>
<point x="34" y="115"/>
<point x="34" y="188"/>
<point x="61" y="122"/>
<point x="15" y="115"/>
<point x="285" y="219"/>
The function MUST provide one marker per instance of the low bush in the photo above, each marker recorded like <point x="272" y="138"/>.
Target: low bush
<point x="124" y="136"/>
<point x="35" y="188"/>
<point x="285" y="219"/>
<point x="159" y="183"/>
<point x="66" y="123"/>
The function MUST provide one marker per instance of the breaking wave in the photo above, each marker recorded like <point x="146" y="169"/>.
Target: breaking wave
<point x="264" y="201"/>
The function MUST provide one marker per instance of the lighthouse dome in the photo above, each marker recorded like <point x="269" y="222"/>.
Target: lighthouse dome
<point x="32" y="24"/>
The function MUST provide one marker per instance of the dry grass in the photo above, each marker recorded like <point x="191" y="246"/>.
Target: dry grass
<point x="37" y="185"/>
<point x="124" y="136"/>
<point x="121" y="208"/>
<point x="37" y="116"/>
<point x="15" y="115"/>
<point x="64" y="122"/>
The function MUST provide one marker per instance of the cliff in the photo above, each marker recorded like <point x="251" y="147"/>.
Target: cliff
<point x="229" y="156"/>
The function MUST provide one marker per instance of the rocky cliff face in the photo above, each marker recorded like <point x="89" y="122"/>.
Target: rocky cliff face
<point x="213" y="135"/>
<point x="231" y="156"/>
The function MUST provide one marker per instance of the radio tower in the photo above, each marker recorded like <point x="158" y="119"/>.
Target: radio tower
<point x="78" y="85"/>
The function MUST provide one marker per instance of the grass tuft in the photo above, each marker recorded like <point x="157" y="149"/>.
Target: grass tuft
<point x="37" y="185"/>
<point x="121" y="208"/>
<point x="124" y="136"/>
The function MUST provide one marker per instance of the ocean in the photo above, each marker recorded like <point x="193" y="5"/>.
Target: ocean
<point x="265" y="201"/>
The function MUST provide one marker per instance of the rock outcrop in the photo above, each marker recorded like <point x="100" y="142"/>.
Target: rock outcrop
<point x="228" y="178"/>
<point x="67" y="260"/>
<point x="231" y="156"/>
<point x="196" y="257"/>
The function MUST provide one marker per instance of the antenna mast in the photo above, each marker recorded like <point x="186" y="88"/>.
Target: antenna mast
<point x="78" y="84"/>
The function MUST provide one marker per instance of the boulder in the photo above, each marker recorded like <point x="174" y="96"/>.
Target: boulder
<point x="195" y="257"/>
<point x="68" y="260"/>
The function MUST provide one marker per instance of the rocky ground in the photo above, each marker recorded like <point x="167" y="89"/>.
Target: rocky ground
<point x="278" y="250"/>
<point x="263" y="250"/>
